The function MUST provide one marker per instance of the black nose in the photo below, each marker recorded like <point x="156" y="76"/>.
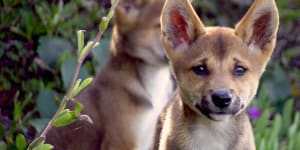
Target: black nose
<point x="222" y="98"/>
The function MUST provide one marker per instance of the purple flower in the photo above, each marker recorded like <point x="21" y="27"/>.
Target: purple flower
<point x="254" y="112"/>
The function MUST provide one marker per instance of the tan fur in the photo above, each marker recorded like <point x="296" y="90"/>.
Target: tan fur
<point x="126" y="97"/>
<point x="193" y="120"/>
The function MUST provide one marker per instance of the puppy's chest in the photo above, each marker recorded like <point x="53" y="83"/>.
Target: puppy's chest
<point x="211" y="138"/>
<point x="158" y="85"/>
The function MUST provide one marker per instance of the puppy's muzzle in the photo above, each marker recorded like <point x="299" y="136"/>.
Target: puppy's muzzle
<point x="221" y="98"/>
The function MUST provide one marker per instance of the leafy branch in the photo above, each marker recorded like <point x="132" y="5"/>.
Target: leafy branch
<point x="64" y="116"/>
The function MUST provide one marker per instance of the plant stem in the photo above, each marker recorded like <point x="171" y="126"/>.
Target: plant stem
<point x="74" y="78"/>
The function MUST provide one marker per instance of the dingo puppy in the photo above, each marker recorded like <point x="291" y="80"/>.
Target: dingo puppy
<point x="217" y="70"/>
<point x="126" y="97"/>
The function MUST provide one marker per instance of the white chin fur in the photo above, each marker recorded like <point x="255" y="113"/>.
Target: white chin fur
<point x="220" y="117"/>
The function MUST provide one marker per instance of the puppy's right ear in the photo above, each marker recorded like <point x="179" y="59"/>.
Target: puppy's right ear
<point x="180" y="25"/>
<point x="259" y="27"/>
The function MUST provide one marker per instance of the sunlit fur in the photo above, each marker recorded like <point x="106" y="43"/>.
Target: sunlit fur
<point x="192" y="120"/>
<point x="126" y="97"/>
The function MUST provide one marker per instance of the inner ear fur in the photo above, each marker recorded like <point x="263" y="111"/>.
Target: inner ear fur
<point x="258" y="28"/>
<point x="179" y="24"/>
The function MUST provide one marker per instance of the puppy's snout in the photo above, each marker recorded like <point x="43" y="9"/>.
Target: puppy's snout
<point x="221" y="98"/>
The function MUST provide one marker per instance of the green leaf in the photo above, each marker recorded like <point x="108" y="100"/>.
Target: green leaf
<point x="112" y="2"/>
<point x="86" y="48"/>
<point x="44" y="13"/>
<point x="76" y="88"/>
<point x="262" y="145"/>
<point x="43" y="147"/>
<point x="58" y="13"/>
<point x="78" y="108"/>
<point x="27" y="99"/>
<point x="291" y="143"/>
<point x="85" y="83"/>
<point x="278" y="88"/>
<point x="70" y="7"/>
<point x="289" y="15"/>
<point x="275" y="144"/>
<point x="104" y="24"/>
<point x="19" y="106"/>
<point x="262" y="122"/>
<point x="287" y="115"/>
<point x="262" y="97"/>
<point x="50" y="48"/>
<point x="290" y="53"/>
<point x="101" y="53"/>
<point x="67" y="70"/>
<point x="46" y="103"/>
<point x="80" y="40"/>
<point x="17" y="111"/>
<point x="297" y="138"/>
<point x="36" y="142"/>
<point x="39" y="144"/>
<point x="21" y="142"/>
<point x="297" y="119"/>
<point x="39" y="124"/>
<point x="64" y="118"/>
<point x="29" y="22"/>
<point x="17" y="114"/>
<point x="110" y="15"/>
<point x="258" y="137"/>
<point x="275" y="131"/>
<point x="292" y="131"/>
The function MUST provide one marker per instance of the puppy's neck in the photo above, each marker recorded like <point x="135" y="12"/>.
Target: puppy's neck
<point x="149" y="86"/>
<point x="150" y="82"/>
<point x="119" y="42"/>
<point x="203" y="131"/>
<point x="156" y="82"/>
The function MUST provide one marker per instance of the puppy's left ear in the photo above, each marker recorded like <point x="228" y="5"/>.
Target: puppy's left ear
<point x="180" y="26"/>
<point x="258" y="28"/>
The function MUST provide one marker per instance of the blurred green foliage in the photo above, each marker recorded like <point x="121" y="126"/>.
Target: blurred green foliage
<point x="37" y="58"/>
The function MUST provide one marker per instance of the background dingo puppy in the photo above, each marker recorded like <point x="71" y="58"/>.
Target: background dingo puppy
<point x="217" y="70"/>
<point x="126" y="97"/>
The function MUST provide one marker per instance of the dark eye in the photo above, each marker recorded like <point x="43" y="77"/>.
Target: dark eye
<point x="239" y="70"/>
<point x="201" y="70"/>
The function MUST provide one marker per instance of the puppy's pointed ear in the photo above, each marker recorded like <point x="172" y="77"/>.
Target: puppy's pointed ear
<point x="180" y="25"/>
<point x="258" y="28"/>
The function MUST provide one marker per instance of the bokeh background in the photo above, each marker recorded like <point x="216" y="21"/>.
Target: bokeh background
<point x="37" y="56"/>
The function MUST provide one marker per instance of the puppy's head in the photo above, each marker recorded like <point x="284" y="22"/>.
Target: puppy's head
<point x="218" y="69"/>
<point x="137" y="30"/>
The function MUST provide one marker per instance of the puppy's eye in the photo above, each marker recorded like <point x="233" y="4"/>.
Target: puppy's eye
<point x="201" y="70"/>
<point x="239" y="70"/>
